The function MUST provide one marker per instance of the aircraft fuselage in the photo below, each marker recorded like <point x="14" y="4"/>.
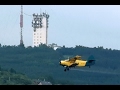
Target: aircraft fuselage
<point x="79" y="63"/>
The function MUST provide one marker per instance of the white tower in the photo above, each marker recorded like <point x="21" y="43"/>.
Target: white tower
<point x="40" y="26"/>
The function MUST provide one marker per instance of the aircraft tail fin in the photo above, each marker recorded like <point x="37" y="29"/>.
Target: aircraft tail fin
<point x="91" y="60"/>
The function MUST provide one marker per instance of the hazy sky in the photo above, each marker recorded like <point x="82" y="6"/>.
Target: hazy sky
<point x="69" y="25"/>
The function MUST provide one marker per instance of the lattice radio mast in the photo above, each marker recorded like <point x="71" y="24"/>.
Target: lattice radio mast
<point x="21" y="26"/>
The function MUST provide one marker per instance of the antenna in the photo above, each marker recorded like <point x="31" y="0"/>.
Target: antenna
<point x="21" y="26"/>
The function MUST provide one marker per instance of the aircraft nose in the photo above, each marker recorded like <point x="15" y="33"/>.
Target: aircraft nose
<point x="60" y="62"/>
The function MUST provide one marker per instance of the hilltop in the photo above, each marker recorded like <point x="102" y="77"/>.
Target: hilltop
<point x="43" y="62"/>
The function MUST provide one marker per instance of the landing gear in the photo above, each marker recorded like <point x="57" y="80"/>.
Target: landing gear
<point x="67" y="68"/>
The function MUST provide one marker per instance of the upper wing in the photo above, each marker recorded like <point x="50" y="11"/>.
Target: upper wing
<point x="72" y="60"/>
<point x="78" y="57"/>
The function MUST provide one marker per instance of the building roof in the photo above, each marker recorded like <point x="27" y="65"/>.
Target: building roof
<point x="44" y="83"/>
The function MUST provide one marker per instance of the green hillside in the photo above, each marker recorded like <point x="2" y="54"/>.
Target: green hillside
<point x="43" y="62"/>
<point x="10" y="77"/>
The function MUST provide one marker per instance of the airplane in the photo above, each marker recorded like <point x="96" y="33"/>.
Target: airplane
<point x="77" y="61"/>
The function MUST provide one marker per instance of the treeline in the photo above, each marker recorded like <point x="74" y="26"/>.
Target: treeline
<point x="43" y="62"/>
<point x="33" y="62"/>
<point x="11" y="77"/>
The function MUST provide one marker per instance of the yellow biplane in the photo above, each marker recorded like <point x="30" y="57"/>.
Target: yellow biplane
<point x="76" y="61"/>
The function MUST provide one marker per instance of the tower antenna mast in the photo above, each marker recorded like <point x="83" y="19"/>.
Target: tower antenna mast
<point x="21" y="26"/>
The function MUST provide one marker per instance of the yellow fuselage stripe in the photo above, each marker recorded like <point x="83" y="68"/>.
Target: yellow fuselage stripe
<point x="80" y="63"/>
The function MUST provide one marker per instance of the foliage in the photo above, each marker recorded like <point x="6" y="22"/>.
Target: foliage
<point x="43" y="62"/>
<point x="10" y="78"/>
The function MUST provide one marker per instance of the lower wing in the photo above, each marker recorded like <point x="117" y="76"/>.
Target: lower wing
<point x="73" y="65"/>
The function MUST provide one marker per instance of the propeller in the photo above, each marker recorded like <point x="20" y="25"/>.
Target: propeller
<point x="59" y="60"/>
<point x="68" y="58"/>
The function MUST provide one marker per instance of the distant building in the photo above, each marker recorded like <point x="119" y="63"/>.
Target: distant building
<point x="40" y="26"/>
<point x="54" y="46"/>
<point x="44" y="83"/>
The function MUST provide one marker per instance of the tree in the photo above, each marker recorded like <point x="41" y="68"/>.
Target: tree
<point x="12" y="70"/>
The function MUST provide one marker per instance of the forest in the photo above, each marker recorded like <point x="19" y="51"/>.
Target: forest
<point x="43" y="63"/>
<point x="11" y="77"/>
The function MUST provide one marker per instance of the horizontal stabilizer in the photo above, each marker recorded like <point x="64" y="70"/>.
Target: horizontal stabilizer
<point x="90" y="61"/>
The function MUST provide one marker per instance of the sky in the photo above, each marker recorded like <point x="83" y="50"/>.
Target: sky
<point x="69" y="25"/>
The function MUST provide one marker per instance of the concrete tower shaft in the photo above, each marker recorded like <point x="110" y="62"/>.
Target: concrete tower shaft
<point x="40" y="27"/>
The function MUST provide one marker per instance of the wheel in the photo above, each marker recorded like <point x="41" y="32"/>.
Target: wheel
<point x="67" y="68"/>
<point x="64" y="69"/>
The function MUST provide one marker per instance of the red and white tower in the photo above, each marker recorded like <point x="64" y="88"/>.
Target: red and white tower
<point x="21" y="26"/>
